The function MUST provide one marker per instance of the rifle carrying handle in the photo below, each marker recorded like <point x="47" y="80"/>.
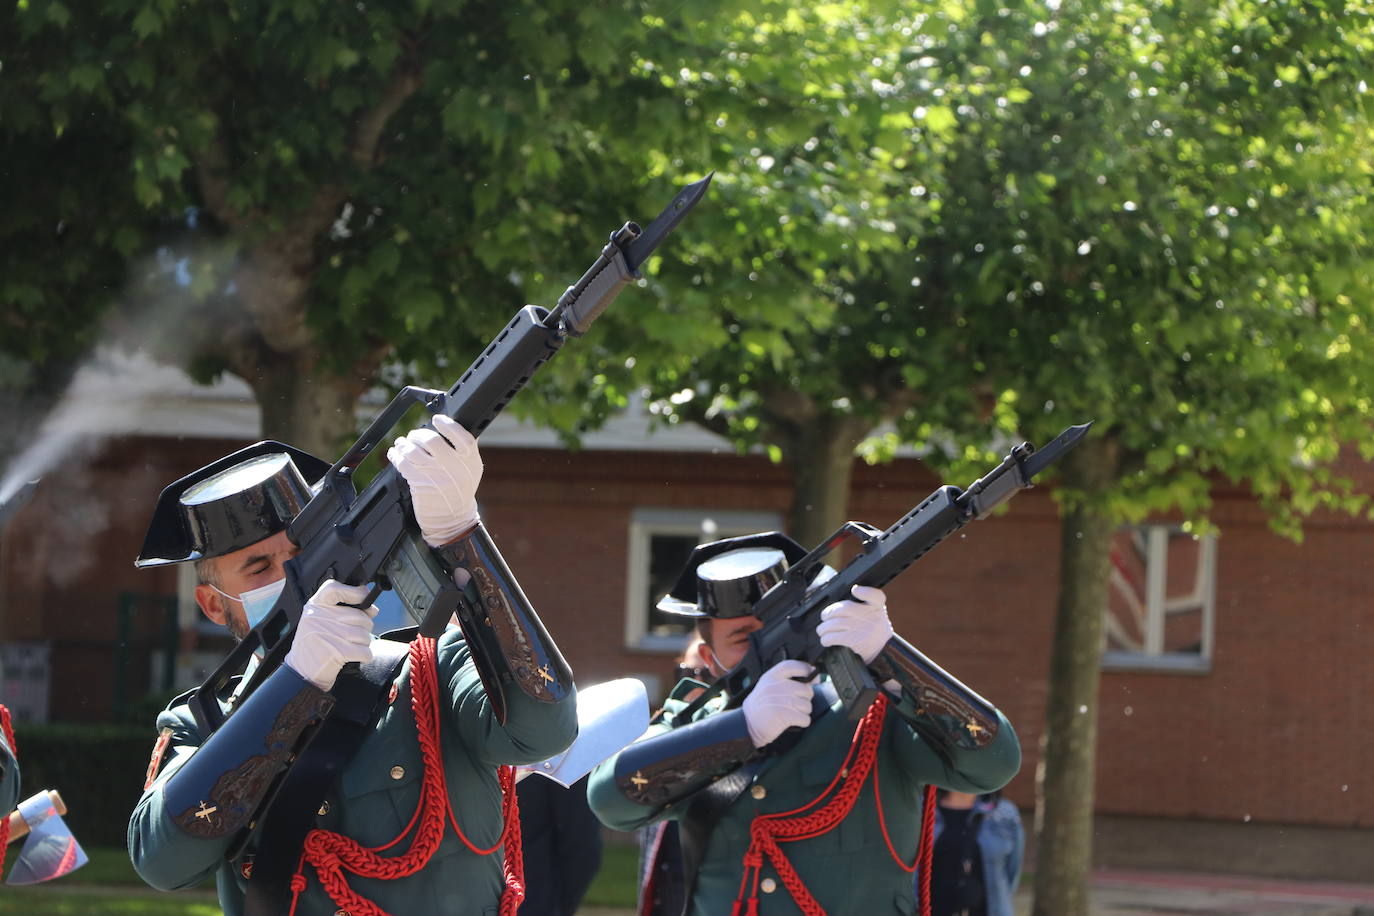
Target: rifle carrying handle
<point x="19" y="827"/>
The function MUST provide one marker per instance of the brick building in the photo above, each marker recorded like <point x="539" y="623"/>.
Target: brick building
<point x="1234" y="727"/>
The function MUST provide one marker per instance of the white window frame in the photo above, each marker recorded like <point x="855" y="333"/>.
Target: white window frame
<point x="1157" y="607"/>
<point x="706" y="525"/>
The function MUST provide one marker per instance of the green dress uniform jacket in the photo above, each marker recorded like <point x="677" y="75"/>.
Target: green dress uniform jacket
<point x="849" y="869"/>
<point x="377" y="793"/>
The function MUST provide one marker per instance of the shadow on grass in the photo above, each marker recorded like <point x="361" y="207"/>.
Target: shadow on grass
<point x="52" y="900"/>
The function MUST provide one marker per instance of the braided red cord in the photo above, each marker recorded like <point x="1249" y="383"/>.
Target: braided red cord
<point x="332" y="853"/>
<point x="925" y="846"/>
<point x="5" y="815"/>
<point x="768" y="831"/>
<point x="514" y="867"/>
<point x="925" y="851"/>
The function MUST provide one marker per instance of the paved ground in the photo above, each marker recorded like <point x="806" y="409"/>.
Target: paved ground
<point x="1136" y="893"/>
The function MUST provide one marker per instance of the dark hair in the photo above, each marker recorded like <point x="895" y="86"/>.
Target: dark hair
<point x="704" y="629"/>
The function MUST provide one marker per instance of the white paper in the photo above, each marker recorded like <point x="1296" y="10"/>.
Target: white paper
<point x="610" y="716"/>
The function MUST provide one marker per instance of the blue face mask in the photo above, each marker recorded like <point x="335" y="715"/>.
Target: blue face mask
<point x="257" y="602"/>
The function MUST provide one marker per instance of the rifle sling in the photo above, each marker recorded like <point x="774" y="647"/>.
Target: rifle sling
<point x="361" y="697"/>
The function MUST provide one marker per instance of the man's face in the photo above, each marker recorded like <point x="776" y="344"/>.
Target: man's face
<point x="242" y="571"/>
<point x="728" y="643"/>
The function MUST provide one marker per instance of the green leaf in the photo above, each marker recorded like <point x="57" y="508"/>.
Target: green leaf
<point x="147" y="23"/>
<point x="939" y="120"/>
<point x="58" y="14"/>
<point x="85" y="76"/>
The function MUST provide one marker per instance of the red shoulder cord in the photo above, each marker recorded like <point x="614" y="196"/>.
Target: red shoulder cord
<point x="332" y="853"/>
<point x="768" y="831"/>
<point x="5" y="815"/>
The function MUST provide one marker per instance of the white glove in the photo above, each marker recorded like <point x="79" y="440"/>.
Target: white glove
<point x="443" y="469"/>
<point x="862" y="624"/>
<point x="330" y="633"/>
<point x="778" y="702"/>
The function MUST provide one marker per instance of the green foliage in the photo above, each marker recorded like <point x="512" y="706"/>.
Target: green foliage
<point x="968" y="223"/>
<point x="316" y="188"/>
<point x="1171" y="236"/>
<point x="1154" y="215"/>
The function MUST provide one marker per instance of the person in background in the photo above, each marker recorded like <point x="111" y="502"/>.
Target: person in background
<point x="979" y="844"/>
<point x="561" y="839"/>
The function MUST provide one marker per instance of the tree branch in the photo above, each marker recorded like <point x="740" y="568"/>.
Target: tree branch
<point x="370" y="122"/>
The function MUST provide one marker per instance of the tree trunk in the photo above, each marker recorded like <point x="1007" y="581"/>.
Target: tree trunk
<point x="1064" y="781"/>
<point x="821" y="453"/>
<point x="269" y="343"/>
<point x="305" y="406"/>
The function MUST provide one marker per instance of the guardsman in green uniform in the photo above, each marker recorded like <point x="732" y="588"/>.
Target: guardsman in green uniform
<point x="784" y="804"/>
<point x="414" y="817"/>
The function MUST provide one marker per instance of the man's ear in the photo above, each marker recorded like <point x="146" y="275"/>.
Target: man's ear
<point x="211" y="604"/>
<point x="708" y="658"/>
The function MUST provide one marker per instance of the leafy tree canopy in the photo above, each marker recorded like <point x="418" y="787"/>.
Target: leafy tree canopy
<point x="1155" y="215"/>
<point x="329" y="186"/>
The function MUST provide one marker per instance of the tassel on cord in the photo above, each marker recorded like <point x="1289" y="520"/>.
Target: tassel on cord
<point x="332" y="854"/>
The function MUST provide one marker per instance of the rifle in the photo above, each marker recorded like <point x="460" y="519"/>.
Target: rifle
<point x="791" y="609"/>
<point x="371" y="537"/>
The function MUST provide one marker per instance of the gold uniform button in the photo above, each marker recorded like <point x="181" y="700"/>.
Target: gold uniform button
<point x="396" y="773"/>
<point x="324" y="808"/>
<point x="768" y="885"/>
<point x="758" y="792"/>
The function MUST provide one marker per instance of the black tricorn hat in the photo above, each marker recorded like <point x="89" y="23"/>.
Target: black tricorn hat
<point x="230" y="503"/>
<point x="726" y="578"/>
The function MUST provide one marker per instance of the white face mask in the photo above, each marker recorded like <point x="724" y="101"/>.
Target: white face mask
<point x="258" y="601"/>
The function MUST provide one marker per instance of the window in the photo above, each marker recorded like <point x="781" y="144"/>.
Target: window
<point x="661" y="540"/>
<point x="1160" y="600"/>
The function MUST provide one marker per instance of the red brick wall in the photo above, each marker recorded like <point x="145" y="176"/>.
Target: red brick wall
<point x="68" y="554"/>
<point x="1281" y="729"/>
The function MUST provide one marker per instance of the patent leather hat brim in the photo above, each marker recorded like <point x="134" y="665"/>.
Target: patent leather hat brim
<point x="721" y="593"/>
<point x="230" y="504"/>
